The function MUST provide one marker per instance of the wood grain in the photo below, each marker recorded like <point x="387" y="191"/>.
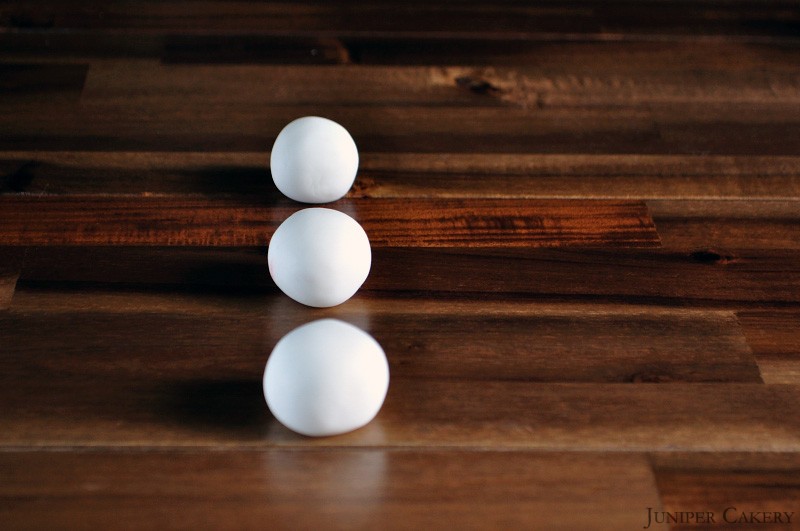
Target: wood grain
<point x="388" y="223"/>
<point x="32" y="81"/>
<point x="8" y="283"/>
<point x="692" y="277"/>
<point x="11" y="261"/>
<point x="773" y="336"/>
<point x="736" y="483"/>
<point x="471" y="341"/>
<point x="223" y="410"/>
<point x="586" y="261"/>
<point x="697" y="278"/>
<point x="650" y="75"/>
<point x="415" y="175"/>
<point x="724" y="226"/>
<point x="122" y="372"/>
<point x="727" y="128"/>
<point x="616" y="19"/>
<point x="342" y="489"/>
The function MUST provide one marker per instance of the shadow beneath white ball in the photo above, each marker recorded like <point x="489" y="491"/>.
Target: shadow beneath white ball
<point x="232" y="408"/>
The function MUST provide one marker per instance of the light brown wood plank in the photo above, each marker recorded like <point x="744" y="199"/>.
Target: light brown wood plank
<point x="774" y="337"/>
<point x="721" y="227"/>
<point x="411" y="175"/>
<point x="730" y="485"/>
<point x="389" y="223"/>
<point x="342" y="489"/>
<point x="473" y="341"/>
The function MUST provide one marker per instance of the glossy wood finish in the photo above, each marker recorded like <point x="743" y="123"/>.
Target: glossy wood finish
<point x="586" y="262"/>
<point x="387" y="222"/>
<point x="740" y="489"/>
<point x="347" y="489"/>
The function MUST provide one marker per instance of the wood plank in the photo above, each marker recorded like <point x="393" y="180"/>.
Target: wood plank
<point x="575" y="19"/>
<point x="775" y="342"/>
<point x="730" y="485"/>
<point x="614" y="76"/>
<point x="155" y="379"/>
<point x="191" y="126"/>
<point x="624" y="72"/>
<point x="8" y="283"/>
<point x="11" y="261"/>
<point x="719" y="227"/>
<point x="627" y="276"/>
<point x="142" y="82"/>
<point x="342" y="489"/>
<point x="223" y="409"/>
<point x="590" y="52"/>
<point x="413" y="175"/>
<point x="758" y="128"/>
<point x="389" y="223"/>
<point x="552" y="366"/>
<point x="31" y="82"/>
<point x="469" y="50"/>
<point x="151" y="82"/>
<point x="682" y="277"/>
<point x="61" y="297"/>
<point x="533" y="342"/>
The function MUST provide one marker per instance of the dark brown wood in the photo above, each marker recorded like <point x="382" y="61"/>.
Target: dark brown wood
<point x="11" y="261"/>
<point x="694" y="277"/>
<point x="467" y="341"/>
<point x="721" y="227"/>
<point x="125" y="371"/>
<point x="773" y="337"/>
<point x="574" y="19"/>
<point x="33" y="81"/>
<point x="416" y="175"/>
<point x="699" y="128"/>
<point x="651" y="74"/>
<point x="388" y="223"/>
<point x="342" y="489"/>
<point x="732" y="487"/>
<point x="8" y="283"/>
<point x="586" y="261"/>
<point x="224" y="410"/>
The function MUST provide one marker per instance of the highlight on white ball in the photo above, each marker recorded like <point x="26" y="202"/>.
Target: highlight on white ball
<point x="319" y="257"/>
<point x="314" y="160"/>
<point x="325" y="378"/>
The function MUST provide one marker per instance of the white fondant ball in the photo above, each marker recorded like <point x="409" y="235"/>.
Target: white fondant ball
<point x="325" y="378"/>
<point x="319" y="257"/>
<point x="314" y="160"/>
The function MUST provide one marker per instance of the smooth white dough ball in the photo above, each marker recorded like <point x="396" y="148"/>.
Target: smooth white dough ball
<point x="314" y="160"/>
<point x="325" y="378"/>
<point x="319" y="257"/>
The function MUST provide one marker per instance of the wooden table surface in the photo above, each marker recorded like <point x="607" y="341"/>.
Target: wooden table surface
<point x="585" y="220"/>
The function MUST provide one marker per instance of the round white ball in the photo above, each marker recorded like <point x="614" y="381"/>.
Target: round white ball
<point x="325" y="378"/>
<point x="319" y="257"/>
<point x="314" y="160"/>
